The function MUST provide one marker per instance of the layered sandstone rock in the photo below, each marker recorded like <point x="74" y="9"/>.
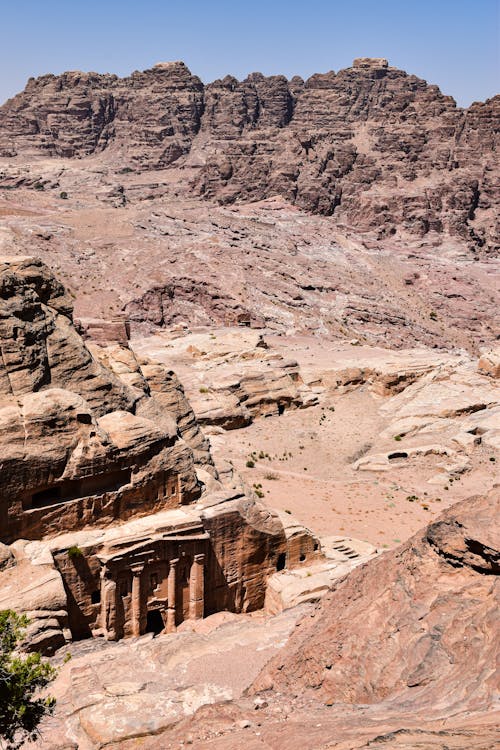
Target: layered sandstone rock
<point x="82" y="113"/>
<point x="431" y="608"/>
<point x="151" y="379"/>
<point x="77" y="443"/>
<point x="401" y="651"/>
<point x="231" y="376"/>
<point x="489" y="363"/>
<point x="102" y="462"/>
<point x="32" y="586"/>
<point x="378" y="149"/>
<point x="188" y="263"/>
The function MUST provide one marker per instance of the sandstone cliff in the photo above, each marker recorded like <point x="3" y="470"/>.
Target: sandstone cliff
<point x="101" y="458"/>
<point x="77" y="442"/>
<point x="401" y="654"/>
<point x="376" y="148"/>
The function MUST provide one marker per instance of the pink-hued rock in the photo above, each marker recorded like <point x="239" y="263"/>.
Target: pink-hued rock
<point x="417" y="625"/>
<point x="371" y="145"/>
<point x="77" y="442"/>
<point x="402" y="651"/>
<point x="489" y="363"/>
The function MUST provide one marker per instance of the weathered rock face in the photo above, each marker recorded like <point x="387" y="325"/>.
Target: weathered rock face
<point x="186" y="299"/>
<point x="230" y="377"/>
<point x="161" y="396"/>
<point x="31" y="585"/>
<point x="122" y="698"/>
<point x="90" y="436"/>
<point x="416" y="625"/>
<point x="77" y="443"/>
<point x="489" y="363"/>
<point x="371" y="145"/>
<point x="83" y="113"/>
<point x="402" y="651"/>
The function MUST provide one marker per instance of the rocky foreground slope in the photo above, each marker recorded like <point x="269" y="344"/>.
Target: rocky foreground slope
<point x="372" y="146"/>
<point x="401" y="654"/>
<point x="419" y="623"/>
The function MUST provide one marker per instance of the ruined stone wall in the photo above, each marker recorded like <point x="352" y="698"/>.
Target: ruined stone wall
<point x="302" y="549"/>
<point x="55" y="513"/>
<point x="103" y="332"/>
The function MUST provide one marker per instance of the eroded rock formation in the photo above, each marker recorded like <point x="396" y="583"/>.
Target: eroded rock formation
<point x="77" y="443"/>
<point x="401" y="652"/>
<point x="371" y="145"/>
<point x="102" y="464"/>
<point x="231" y="377"/>
<point x="431" y="605"/>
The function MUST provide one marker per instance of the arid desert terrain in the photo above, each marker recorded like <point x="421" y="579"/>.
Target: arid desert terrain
<point x="250" y="408"/>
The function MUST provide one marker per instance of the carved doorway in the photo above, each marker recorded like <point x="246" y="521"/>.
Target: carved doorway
<point x="154" y="622"/>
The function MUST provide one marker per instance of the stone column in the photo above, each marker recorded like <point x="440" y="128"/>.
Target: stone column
<point x="108" y="605"/>
<point x="136" y="601"/>
<point x="196" y="588"/>
<point x="171" y="591"/>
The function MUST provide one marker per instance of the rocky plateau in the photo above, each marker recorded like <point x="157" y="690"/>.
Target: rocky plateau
<point x="250" y="408"/>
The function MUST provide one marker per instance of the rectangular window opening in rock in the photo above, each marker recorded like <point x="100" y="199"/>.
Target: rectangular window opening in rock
<point x="72" y="489"/>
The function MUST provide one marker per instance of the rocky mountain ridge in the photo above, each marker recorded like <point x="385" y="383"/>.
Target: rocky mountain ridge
<point x="373" y="147"/>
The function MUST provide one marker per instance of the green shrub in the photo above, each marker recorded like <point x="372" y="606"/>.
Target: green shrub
<point x="21" y="678"/>
<point x="74" y="551"/>
<point x="63" y="195"/>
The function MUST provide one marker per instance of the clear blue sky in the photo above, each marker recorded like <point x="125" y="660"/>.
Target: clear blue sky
<point x="453" y="43"/>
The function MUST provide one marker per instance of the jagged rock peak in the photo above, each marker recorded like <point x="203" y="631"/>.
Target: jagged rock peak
<point x="378" y="148"/>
